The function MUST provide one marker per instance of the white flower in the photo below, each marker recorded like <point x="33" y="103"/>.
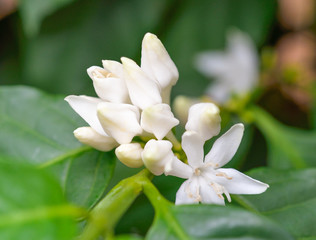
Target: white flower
<point x="235" y="71"/>
<point x="206" y="180"/>
<point x="130" y="102"/>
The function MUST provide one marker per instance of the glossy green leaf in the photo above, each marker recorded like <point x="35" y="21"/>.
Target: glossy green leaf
<point x="288" y="147"/>
<point x="290" y="200"/>
<point x="37" y="128"/>
<point x="32" y="205"/>
<point x="213" y="222"/>
<point x="34" y="11"/>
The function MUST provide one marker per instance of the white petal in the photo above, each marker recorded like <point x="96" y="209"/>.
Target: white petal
<point x="86" y="107"/>
<point x="225" y="147"/>
<point x="178" y="169"/>
<point x="219" y="91"/>
<point x="89" y="136"/>
<point x="158" y="119"/>
<point x="107" y="86"/>
<point x="121" y="121"/>
<point x="211" y="63"/>
<point x="192" y="145"/>
<point x="143" y="90"/>
<point x="238" y="183"/>
<point x="130" y="154"/>
<point x="208" y="195"/>
<point x="114" y="67"/>
<point x="204" y="119"/>
<point x="156" y="155"/>
<point x="157" y="62"/>
<point x="188" y="192"/>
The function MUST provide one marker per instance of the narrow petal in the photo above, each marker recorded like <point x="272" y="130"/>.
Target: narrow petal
<point x="178" y="169"/>
<point x="219" y="91"/>
<point x="192" y="145"/>
<point x="211" y="63"/>
<point x="188" y="193"/>
<point x="208" y="194"/>
<point x="143" y="90"/>
<point x="238" y="183"/>
<point x="86" y="107"/>
<point x="225" y="147"/>
<point x="204" y="119"/>
<point x="157" y="62"/>
<point x="89" y="136"/>
<point x="158" y="119"/>
<point x="114" y="67"/>
<point x="156" y="155"/>
<point x="108" y="86"/>
<point x="244" y="61"/>
<point x="121" y="121"/>
<point x="130" y="154"/>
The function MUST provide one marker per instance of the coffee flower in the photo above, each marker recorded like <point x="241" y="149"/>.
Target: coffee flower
<point x="234" y="71"/>
<point x="206" y="180"/>
<point x="132" y="101"/>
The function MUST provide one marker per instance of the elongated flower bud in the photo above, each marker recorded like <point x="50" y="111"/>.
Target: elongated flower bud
<point x="130" y="154"/>
<point x="90" y="137"/>
<point x="157" y="155"/>
<point x="204" y="119"/>
<point x="158" y="119"/>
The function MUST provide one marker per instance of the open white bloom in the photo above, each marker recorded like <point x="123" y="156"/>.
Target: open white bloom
<point x="130" y="102"/>
<point x="234" y="71"/>
<point x="207" y="181"/>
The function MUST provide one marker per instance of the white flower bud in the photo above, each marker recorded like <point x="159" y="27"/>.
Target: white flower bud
<point x="108" y="86"/>
<point x="158" y="119"/>
<point x="130" y="154"/>
<point x="157" y="62"/>
<point x="88" y="136"/>
<point x="181" y="106"/>
<point x="121" y="121"/>
<point x="156" y="155"/>
<point x="204" y="119"/>
<point x="144" y="91"/>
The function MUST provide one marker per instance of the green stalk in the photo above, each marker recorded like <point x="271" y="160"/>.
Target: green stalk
<point x="111" y="208"/>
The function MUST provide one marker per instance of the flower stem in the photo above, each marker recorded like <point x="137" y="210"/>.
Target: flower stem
<point x="110" y="209"/>
<point x="170" y="136"/>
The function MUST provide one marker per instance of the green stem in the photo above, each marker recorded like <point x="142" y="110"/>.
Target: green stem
<point x="110" y="209"/>
<point x="163" y="208"/>
<point x="170" y="136"/>
<point x="275" y="133"/>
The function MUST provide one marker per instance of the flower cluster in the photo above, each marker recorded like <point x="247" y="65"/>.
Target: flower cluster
<point x="134" y="101"/>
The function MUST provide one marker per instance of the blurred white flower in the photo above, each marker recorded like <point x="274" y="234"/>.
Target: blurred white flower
<point x="234" y="70"/>
<point x="207" y="181"/>
<point x="132" y="101"/>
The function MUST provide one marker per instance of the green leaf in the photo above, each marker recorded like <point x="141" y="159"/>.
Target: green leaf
<point x="37" y="128"/>
<point x="288" y="147"/>
<point x="32" y="205"/>
<point x="34" y="11"/>
<point x="290" y="200"/>
<point x="212" y="222"/>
